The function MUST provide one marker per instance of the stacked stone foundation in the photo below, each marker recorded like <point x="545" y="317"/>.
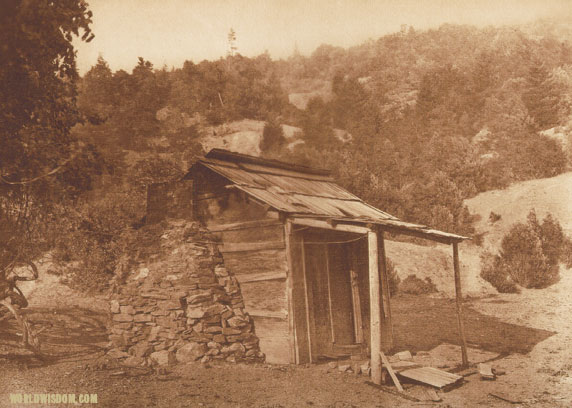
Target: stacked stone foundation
<point x="181" y="305"/>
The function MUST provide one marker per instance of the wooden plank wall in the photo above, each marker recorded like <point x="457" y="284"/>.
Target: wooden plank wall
<point x="253" y="249"/>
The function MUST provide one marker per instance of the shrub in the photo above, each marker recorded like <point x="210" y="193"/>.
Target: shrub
<point x="272" y="137"/>
<point x="415" y="286"/>
<point x="529" y="256"/>
<point x="392" y="276"/>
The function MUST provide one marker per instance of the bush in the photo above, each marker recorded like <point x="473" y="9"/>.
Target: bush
<point x="272" y="137"/>
<point x="415" y="286"/>
<point x="392" y="276"/>
<point x="529" y="256"/>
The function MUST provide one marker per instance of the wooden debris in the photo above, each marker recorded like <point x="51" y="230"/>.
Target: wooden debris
<point x="431" y="376"/>
<point x="486" y="372"/>
<point x="433" y="396"/>
<point x="390" y="370"/>
<point x="393" y="392"/>
<point x="505" y="398"/>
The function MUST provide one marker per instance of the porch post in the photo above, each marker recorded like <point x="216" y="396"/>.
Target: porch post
<point x="374" y="307"/>
<point x="459" y="299"/>
<point x="386" y="324"/>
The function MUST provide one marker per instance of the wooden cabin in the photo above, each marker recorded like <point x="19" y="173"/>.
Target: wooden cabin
<point x="308" y="254"/>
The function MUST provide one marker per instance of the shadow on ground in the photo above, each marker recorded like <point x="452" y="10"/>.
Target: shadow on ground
<point x="422" y="323"/>
<point x="71" y="334"/>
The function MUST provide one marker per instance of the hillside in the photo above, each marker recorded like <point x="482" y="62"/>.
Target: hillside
<point x="549" y="195"/>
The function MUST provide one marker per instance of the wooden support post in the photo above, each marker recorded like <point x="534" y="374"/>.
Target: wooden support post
<point x="374" y="308"/>
<point x="387" y="325"/>
<point x="328" y="272"/>
<point x="307" y="299"/>
<point x="459" y="298"/>
<point x="356" y="300"/>
<point x="292" y="340"/>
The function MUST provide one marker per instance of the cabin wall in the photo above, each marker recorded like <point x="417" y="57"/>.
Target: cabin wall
<point x="255" y="253"/>
<point x="251" y="241"/>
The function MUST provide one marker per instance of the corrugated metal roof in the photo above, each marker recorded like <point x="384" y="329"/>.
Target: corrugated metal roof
<point x="291" y="189"/>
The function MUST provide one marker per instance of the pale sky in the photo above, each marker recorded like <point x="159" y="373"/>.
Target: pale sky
<point x="168" y="32"/>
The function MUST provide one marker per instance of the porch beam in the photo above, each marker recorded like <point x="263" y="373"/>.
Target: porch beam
<point x="311" y="222"/>
<point x="374" y="307"/>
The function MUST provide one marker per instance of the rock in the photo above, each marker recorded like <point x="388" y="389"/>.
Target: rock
<point x="219" y="338"/>
<point x="237" y="348"/>
<point x="220" y="271"/>
<point x="122" y="318"/>
<point x="116" y="353"/>
<point x="163" y="358"/>
<point x="142" y="349"/>
<point x="229" y="331"/>
<point x="195" y="313"/>
<point x="486" y="372"/>
<point x="236" y="322"/>
<point x="365" y="368"/>
<point x="140" y="318"/>
<point x="198" y="298"/>
<point x="134" y="361"/>
<point x="332" y="364"/>
<point x="404" y="355"/>
<point x="205" y="359"/>
<point x="127" y="309"/>
<point x="214" y="345"/>
<point x="344" y="368"/>
<point x="191" y="352"/>
<point x="114" y="306"/>
<point x="213" y="329"/>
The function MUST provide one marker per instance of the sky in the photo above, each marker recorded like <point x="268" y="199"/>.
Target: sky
<point x="168" y="32"/>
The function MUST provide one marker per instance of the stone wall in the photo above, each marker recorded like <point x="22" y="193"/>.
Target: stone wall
<point x="178" y="302"/>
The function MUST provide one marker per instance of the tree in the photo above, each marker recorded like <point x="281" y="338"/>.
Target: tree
<point x="37" y="111"/>
<point x="272" y="137"/>
<point x="231" y="43"/>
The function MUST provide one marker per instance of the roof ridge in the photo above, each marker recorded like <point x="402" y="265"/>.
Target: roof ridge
<point x="234" y="157"/>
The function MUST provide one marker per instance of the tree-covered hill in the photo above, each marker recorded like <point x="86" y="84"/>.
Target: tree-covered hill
<point x="435" y="117"/>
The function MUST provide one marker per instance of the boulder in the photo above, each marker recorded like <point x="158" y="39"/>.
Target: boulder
<point x="163" y="358"/>
<point x="191" y="352"/>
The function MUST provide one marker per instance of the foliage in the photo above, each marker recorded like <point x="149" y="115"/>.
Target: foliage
<point x="529" y="256"/>
<point x="414" y="286"/>
<point x="392" y="276"/>
<point x="272" y="137"/>
<point x="42" y="163"/>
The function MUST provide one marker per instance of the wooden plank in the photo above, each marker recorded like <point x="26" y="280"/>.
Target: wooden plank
<point x="299" y="298"/>
<point x="375" y="310"/>
<point x="342" y="307"/>
<point x="317" y="281"/>
<point x="328" y="273"/>
<point x="390" y="370"/>
<point x="459" y="302"/>
<point x="265" y="295"/>
<point x="292" y="342"/>
<point x="250" y="246"/>
<point x="431" y="376"/>
<point x="244" y="263"/>
<point x="282" y="315"/>
<point x="273" y="335"/>
<point x="269" y="233"/>
<point x="308" y="301"/>
<point x="257" y="277"/>
<point x="311" y="222"/>
<point x="358" y="325"/>
<point x="387" y="324"/>
<point x="243" y="225"/>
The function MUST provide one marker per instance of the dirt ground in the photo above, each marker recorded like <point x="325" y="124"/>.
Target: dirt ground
<point x="528" y="336"/>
